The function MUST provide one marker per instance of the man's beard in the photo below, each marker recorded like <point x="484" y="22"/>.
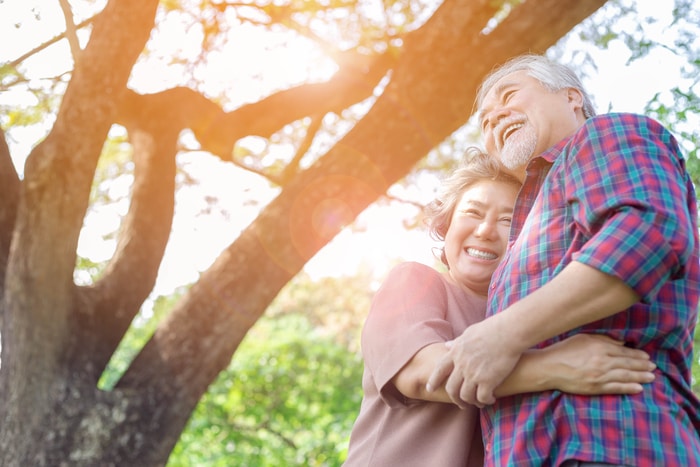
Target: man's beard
<point x="519" y="148"/>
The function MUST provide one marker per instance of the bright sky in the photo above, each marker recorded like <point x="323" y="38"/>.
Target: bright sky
<point x="202" y="230"/>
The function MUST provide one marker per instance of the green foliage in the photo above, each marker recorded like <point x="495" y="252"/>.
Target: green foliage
<point x="289" y="397"/>
<point x="141" y="330"/>
<point x="677" y="108"/>
<point x="681" y="117"/>
<point x="335" y="307"/>
<point x="293" y="388"/>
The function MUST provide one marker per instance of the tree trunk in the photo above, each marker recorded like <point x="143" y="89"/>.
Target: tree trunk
<point x="57" y="338"/>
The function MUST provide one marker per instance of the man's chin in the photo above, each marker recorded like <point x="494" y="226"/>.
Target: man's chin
<point x="511" y="163"/>
<point x="515" y="167"/>
<point x="515" y="160"/>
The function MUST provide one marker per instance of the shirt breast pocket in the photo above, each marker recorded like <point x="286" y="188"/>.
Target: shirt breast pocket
<point x="545" y="240"/>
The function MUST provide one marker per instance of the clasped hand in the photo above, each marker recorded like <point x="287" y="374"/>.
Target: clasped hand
<point x="476" y="364"/>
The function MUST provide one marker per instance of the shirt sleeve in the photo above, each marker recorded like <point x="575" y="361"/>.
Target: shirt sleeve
<point x="407" y="313"/>
<point x="629" y="190"/>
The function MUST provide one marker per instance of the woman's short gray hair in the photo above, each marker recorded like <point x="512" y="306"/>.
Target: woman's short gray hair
<point x="553" y="76"/>
<point x="476" y="166"/>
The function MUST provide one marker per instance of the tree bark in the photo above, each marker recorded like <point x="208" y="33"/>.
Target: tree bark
<point x="9" y="197"/>
<point x="57" y="338"/>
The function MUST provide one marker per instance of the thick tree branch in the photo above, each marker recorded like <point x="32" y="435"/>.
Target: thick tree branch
<point x="528" y="22"/>
<point x="110" y="305"/>
<point x="218" y="131"/>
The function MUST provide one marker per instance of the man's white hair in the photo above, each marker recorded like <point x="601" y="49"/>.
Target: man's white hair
<point x="553" y="76"/>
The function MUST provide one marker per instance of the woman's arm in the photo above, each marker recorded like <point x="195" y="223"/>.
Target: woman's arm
<point x="582" y="364"/>
<point x="412" y="378"/>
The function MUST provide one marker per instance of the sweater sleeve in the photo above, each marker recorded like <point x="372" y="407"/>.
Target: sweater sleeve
<point x="407" y="313"/>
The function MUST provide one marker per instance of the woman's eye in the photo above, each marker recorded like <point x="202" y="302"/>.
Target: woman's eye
<point x="472" y="212"/>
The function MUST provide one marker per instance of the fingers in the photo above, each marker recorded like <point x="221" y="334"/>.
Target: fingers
<point x="630" y="366"/>
<point x="439" y="374"/>
<point x="624" y="388"/>
<point x="454" y="386"/>
<point x="453" y="381"/>
<point x="624" y="376"/>
<point x="630" y="353"/>
<point x="608" y="354"/>
<point x="484" y="395"/>
<point x="618" y="348"/>
<point x="627" y="361"/>
<point x="620" y="387"/>
<point x="635" y="364"/>
<point x="617" y="381"/>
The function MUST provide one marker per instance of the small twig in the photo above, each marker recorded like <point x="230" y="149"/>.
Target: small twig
<point x="48" y="43"/>
<point x="293" y="166"/>
<point x="71" y="31"/>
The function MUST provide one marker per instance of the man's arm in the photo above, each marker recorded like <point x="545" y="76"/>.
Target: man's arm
<point x="485" y="354"/>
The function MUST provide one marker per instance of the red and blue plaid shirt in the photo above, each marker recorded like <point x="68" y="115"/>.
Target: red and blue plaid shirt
<point x="616" y="197"/>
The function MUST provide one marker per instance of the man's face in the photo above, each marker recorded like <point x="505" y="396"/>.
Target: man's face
<point x="520" y="118"/>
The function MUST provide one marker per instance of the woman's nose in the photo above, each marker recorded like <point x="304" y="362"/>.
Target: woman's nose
<point x="485" y="229"/>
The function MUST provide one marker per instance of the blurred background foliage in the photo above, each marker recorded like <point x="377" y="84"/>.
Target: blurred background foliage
<point x="293" y="390"/>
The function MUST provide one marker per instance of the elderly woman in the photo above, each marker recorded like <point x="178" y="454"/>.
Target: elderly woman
<point x="418" y="310"/>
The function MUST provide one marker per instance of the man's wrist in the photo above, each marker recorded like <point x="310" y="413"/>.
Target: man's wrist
<point x="509" y="333"/>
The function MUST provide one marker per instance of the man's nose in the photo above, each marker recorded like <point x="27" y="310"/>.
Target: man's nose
<point x="495" y="115"/>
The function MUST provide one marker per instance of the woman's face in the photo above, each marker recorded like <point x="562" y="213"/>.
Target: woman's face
<point x="478" y="233"/>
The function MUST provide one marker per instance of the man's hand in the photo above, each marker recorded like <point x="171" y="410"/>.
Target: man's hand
<point x="477" y="362"/>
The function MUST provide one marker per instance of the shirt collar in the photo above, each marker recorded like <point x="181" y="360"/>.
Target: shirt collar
<point x="551" y="154"/>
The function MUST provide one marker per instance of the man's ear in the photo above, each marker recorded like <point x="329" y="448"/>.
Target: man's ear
<point x="575" y="98"/>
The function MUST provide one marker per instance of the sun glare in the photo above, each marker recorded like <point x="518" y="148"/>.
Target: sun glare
<point x="250" y="63"/>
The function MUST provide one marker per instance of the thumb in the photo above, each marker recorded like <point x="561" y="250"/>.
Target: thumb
<point x="439" y="374"/>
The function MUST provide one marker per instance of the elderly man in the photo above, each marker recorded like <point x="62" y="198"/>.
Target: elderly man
<point x="604" y="240"/>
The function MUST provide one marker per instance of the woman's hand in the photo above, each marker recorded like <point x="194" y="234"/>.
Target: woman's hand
<point x="595" y="364"/>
